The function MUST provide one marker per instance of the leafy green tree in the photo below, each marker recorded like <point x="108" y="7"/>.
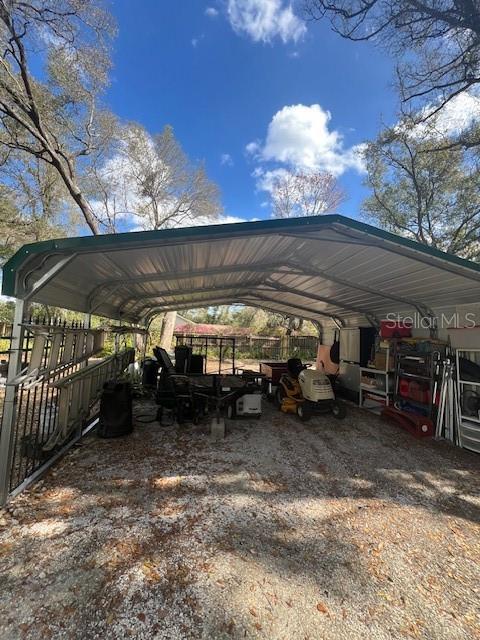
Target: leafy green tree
<point x="259" y="322"/>
<point x="221" y="314"/>
<point x="32" y="205"/>
<point x="19" y="229"/>
<point x="428" y="195"/>
<point x="57" y="120"/>
<point x="7" y="310"/>
<point x="11" y="234"/>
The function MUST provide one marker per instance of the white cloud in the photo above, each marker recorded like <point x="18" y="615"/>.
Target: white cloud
<point x="458" y="115"/>
<point x="265" y="20"/>
<point x="200" y="221"/>
<point x="226" y="160"/>
<point x="203" y="221"/>
<point x="223" y="219"/>
<point x="299" y="137"/>
<point x="211" y="12"/>
<point x="266" y="178"/>
<point x="119" y="198"/>
<point x="196" y="40"/>
<point x="253" y="148"/>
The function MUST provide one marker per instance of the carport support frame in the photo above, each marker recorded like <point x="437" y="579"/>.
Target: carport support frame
<point x="10" y="404"/>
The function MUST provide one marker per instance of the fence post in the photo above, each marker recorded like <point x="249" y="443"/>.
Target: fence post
<point x="9" y="410"/>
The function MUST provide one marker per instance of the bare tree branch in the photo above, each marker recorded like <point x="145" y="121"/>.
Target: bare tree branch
<point x="151" y="180"/>
<point x="431" y="197"/>
<point x="436" y="44"/>
<point x="58" y="121"/>
<point x="305" y="193"/>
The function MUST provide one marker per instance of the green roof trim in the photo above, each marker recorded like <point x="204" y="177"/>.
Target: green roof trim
<point x="142" y="238"/>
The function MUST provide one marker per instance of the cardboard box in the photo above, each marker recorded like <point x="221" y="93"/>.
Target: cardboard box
<point x="380" y="361"/>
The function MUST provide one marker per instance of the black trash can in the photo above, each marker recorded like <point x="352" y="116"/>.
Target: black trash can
<point x="149" y="372"/>
<point x="115" y="410"/>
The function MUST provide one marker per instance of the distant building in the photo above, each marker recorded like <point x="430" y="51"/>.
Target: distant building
<point x="180" y="321"/>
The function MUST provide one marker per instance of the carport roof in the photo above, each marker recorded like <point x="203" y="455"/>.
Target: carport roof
<point x="328" y="268"/>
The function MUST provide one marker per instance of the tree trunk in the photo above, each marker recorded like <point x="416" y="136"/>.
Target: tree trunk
<point x="168" y="328"/>
<point x="140" y="342"/>
<point x="76" y="194"/>
<point x="87" y="212"/>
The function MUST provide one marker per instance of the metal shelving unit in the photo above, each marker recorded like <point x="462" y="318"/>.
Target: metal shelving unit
<point x="381" y="393"/>
<point x="421" y="366"/>
<point x="469" y="425"/>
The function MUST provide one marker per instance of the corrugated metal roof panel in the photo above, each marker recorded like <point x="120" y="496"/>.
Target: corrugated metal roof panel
<point x="325" y="268"/>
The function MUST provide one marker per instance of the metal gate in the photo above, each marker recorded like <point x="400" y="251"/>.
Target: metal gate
<point x="50" y="394"/>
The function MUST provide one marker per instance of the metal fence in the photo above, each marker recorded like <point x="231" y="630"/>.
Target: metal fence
<point x="220" y="350"/>
<point x="54" y="395"/>
<point x="276" y="348"/>
<point x="228" y="349"/>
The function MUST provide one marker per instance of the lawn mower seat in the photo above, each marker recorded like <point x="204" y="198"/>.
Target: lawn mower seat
<point x="294" y="366"/>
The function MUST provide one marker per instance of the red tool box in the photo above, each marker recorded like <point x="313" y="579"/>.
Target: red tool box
<point x="395" y="329"/>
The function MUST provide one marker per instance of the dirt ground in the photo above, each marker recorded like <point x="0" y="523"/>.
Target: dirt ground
<point x="284" y="530"/>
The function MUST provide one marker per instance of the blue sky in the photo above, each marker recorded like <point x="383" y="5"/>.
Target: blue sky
<point x="219" y="72"/>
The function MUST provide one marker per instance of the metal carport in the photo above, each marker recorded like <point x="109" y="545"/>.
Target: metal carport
<point x="329" y="269"/>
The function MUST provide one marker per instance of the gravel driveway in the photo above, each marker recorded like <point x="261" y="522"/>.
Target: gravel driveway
<point x="324" y="530"/>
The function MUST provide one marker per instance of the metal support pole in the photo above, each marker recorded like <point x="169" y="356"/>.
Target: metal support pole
<point x="87" y="321"/>
<point x="9" y="410"/>
<point x="116" y="338"/>
<point x="143" y="353"/>
<point x="319" y="327"/>
<point x="220" y="357"/>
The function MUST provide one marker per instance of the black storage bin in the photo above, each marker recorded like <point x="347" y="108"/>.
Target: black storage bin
<point x="149" y="372"/>
<point x="196" y="364"/>
<point x="115" y="410"/>
<point x="183" y="353"/>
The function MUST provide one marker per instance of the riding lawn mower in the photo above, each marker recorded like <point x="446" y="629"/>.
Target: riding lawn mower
<point x="307" y="392"/>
